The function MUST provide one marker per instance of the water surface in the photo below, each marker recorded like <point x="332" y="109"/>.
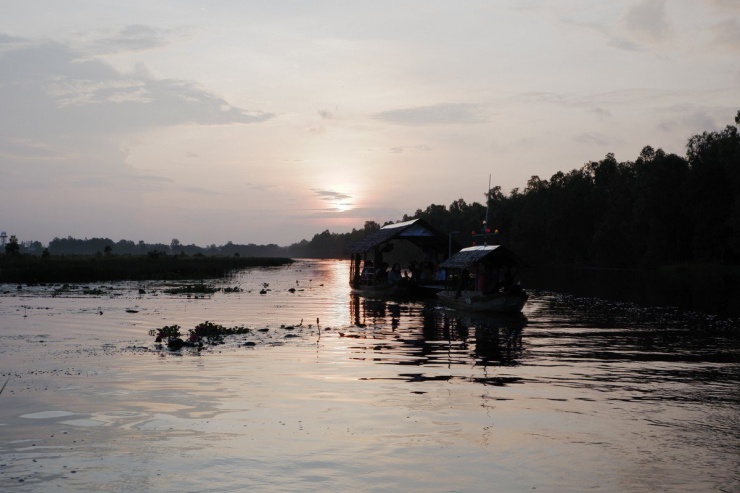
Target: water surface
<point x="337" y="393"/>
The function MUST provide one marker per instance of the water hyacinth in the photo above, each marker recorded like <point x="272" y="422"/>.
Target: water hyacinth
<point x="205" y="332"/>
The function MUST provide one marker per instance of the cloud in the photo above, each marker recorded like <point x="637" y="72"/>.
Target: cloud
<point x="601" y="112"/>
<point x="604" y="28"/>
<point x="20" y="148"/>
<point x="67" y="119"/>
<point x="330" y="195"/>
<point x="438" y="114"/>
<point x="10" y="43"/>
<point x="326" y="115"/>
<point x="402" y="149"/>
<point x="591" y="138"/>
<point x="260" y="187"/>
<point x="726" y="5"/>
<point x="645" y="22"/>
<point x="47" y="89"/>
<point x="337" y="201"/>
<point x="686" y="118"/>
<point x="131" y="182"/>
<point x="132" y="38"/>
<point x="199" y="191"/>
<point x="727" y="35"/>
<point x="648" y="19"/>
<point x="359" y="214"/>
<point x="622" y="43"/>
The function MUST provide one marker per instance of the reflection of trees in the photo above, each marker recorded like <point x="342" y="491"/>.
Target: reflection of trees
<point x="421" y="333"/>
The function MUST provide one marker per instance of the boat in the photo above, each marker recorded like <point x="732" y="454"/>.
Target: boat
<point x="374" y="272"/>
<point x="483" y="280"/>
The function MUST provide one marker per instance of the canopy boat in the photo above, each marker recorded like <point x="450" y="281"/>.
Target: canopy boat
<point x="483" y="280"/>
<point x="371" y="275"/>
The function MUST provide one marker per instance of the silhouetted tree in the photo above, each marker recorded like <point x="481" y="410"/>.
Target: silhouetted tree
<point x="12" y="247"/>
<point x="661" y="209"/>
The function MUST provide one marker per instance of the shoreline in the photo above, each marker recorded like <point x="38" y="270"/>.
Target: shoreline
<point x="29" y="269"/>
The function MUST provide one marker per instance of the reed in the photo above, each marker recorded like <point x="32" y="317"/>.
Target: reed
<point x="30" y="269"/>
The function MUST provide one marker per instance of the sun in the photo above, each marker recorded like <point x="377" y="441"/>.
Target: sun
<point x="343" y="205"/>
<point x="337" y="197"/>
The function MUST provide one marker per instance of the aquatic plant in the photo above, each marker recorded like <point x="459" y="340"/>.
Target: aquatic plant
<point x="214" y="333"/>
<point x="205" y="332"/>
<point x="93" y="291"/>
<point x="199" y="288"/>
<point x="165" y="332"/>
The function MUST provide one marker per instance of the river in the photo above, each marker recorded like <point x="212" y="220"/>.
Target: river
<point x="329" y="392"/>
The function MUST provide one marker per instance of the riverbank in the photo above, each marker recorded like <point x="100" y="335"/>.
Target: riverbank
<point x="30" y="269"/>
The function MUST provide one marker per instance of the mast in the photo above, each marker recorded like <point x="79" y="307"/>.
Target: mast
<point x="485" y="222"/>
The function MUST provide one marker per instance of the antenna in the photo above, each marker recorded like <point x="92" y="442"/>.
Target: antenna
<point x="488" y="202"/>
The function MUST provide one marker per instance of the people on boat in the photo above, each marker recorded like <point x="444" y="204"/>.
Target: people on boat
<point x="381" y="274"/>
<point x="509" y="284"/>
<point x="368" y="271"/>
<point x="414" y="270"/>
<point x="462" y="282"/>
<point x="394" y="275"/>
<point x="481" y="281"/>
<point x="508" y="279"/>
<point x="440" y="274"/>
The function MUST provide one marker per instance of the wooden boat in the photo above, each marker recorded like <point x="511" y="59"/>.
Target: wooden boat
<point x="370" y="275"/>
<point x="476" y="301"/>
<point x="483" y="280"/>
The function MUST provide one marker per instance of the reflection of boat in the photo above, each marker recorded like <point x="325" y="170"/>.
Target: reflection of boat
<point x="498" y="337"/>
<point x="495" y="339"/>
<point x="418" y="333"/>
<point x="483" y="280"/>
<point x="369" y="269"/>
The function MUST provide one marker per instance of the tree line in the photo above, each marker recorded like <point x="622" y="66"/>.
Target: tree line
<point x="660" y="209"/>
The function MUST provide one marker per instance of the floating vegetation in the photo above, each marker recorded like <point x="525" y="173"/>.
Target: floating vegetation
<point x="73" y="289"/>
<point x="199" y="288"/>
<point x="203" y="333"/>
<point x="166" y="332"/>
<point x="213" y="332"/>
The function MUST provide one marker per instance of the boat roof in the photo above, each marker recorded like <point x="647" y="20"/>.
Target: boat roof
<point x="416" y="231"/>
<point x="496" y="255"/>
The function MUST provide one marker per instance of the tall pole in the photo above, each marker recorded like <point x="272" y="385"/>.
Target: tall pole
<point x="449" y="243"/>
<point x="485" y="223"/>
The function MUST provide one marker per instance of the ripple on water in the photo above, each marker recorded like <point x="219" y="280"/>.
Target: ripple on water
<point x="578" y="394"/>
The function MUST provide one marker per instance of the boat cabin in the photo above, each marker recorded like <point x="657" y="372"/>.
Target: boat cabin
<point x="371" y="258"/>
<point x="484" y="268"/>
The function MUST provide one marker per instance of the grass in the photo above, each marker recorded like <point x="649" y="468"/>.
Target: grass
<point x="31" y="269"/>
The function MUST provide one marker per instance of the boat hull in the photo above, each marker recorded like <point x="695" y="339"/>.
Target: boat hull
<point x="397" y="291"/>
<point x="488" y="303"/>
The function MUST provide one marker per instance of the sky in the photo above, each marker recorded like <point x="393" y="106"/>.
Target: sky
<point x="271" y="121"/>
